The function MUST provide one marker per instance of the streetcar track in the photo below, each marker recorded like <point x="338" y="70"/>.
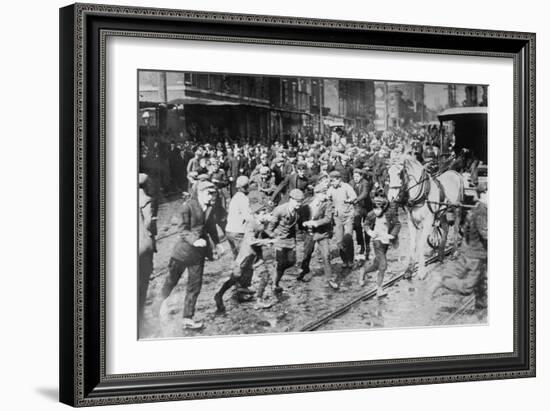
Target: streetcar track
<point x="338" y="312"/>
<point x="460" y="310"/>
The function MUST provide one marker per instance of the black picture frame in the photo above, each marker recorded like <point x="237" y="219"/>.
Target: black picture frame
<point x="83" y="29"/>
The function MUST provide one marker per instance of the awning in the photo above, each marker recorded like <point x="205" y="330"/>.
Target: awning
<point x="204" y="101"/>
<point x="452" y="113"/>
<point x="196" y="101"/>
<point x="333" y="121"/>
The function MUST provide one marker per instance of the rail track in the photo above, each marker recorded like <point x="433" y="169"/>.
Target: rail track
<point x="368" y="295"/>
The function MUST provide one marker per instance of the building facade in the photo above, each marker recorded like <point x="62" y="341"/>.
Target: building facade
<point x="222" y="107"/>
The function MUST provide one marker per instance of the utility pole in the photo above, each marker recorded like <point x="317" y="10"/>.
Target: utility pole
<point x="422" y="105"/>
<point x="163" y="90"/>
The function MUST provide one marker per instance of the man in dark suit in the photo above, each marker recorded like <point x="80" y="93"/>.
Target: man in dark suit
<point x="299" y="180"/>
<point x="197" y="229"/>
<point x="233" y="161"/>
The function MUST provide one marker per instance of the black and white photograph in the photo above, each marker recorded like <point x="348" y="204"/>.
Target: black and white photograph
<point x="276" y="204"/>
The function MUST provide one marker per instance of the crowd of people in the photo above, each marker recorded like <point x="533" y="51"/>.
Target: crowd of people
<point x="258" y="197"/>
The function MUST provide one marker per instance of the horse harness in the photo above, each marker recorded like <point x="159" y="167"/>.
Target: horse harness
<point x="425" y="183"/>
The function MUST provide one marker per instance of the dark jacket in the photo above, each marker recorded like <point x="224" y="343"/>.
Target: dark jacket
<point x="233" y="167"/>
<point x="195" y="224"/>
<point x="392" y="218"/>
<point x="219" y="178"/>
<point x="282" y="226"/>
<point x="243" y="166"/>
<point x="322" y="215"/>
<point x="290" y="182"/>
<point x="475" y="231"/>
<point x="363" y="202"/>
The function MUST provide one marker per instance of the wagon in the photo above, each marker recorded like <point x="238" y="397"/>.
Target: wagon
<point x="469" y="125"/>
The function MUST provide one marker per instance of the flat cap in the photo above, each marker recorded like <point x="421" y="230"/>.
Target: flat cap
<point x="481" y="187"/>
<point x="206" y="186"/>
<point x="143" y="178"/>
<point x="320" y="188"/>
<point x="242" y="181"/>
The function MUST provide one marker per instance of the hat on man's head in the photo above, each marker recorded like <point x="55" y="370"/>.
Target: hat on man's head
<point x="296" y="194"/>
<point x="481" y="187"/>
<point x="143" y="178"/>
<point x="264" y="170"/>
<point x="242" y="181"/>
<point x="320" y="188"/>
<point x="359" y="171"/>
<point x="335" y="174"/>
<point x="206" y="186"/>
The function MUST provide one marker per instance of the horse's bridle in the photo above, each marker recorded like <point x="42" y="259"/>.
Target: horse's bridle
<point x="401" y="188"/>
<point x="404" y="190"/>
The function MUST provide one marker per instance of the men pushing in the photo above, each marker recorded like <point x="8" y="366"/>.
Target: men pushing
<point x="249" y="258"/>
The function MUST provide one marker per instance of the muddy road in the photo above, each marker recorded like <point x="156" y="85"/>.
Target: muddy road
<point x="408" y="303"/>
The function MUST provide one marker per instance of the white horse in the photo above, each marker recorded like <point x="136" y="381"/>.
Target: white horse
<point x="427" y="201"/>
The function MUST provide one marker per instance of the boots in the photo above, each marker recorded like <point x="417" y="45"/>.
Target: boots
<point x="220" y="308"/>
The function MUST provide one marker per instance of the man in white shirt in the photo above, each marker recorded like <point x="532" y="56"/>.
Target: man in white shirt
<point x="343" y="197"/>
<point x="237" y="215"/>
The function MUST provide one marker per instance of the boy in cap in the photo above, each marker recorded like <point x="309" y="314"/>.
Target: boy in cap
<point x="382" y="225"/>
<point x="249" y="258"/>
<point x="318" y="225"/>
<point x="193" y="246"/>
<point x="282" y="227"/>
